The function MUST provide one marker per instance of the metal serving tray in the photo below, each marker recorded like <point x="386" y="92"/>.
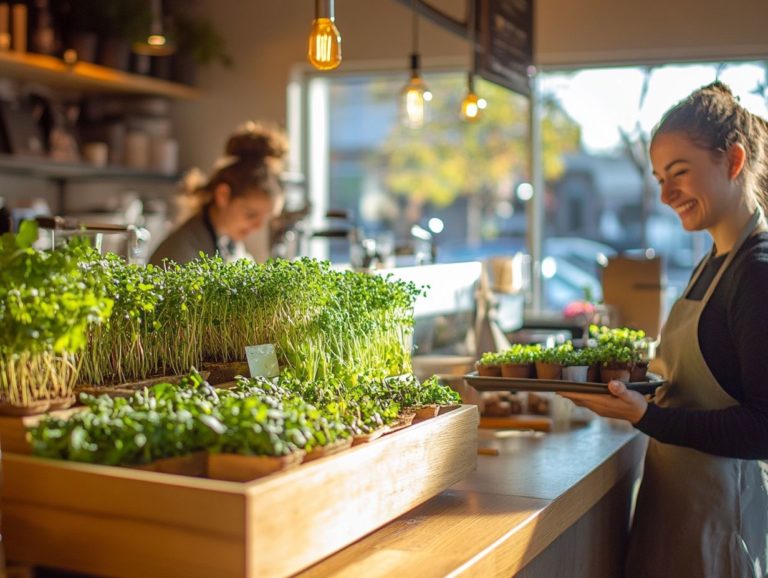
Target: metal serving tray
<point x="482" y="383"/>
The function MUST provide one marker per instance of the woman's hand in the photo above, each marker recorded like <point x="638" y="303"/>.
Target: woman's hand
<point x="622" y="403"/>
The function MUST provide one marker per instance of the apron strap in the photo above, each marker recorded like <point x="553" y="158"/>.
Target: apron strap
<point x="754" y="223"/>
<point x="697" y="272"/>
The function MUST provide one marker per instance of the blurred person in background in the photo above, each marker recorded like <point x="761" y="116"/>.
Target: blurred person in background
<point x="240" y="197"/>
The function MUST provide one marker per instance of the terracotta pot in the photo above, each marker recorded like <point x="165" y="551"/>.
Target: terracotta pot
<point x="194" y="464"/>
<point x="610" y="373"/>
<point x="517" y="370"/>
<point x="404" y="419"/>
<point x="593" y="373"/>
<point x="426" y="412"/>
<point x="328" y="450"/>
<point x="638" y="371"/>
<point x="370" y="436"/>
<point x="242" y="468"/>
<point x="488" y="370"/>
<point x="548" y="370"/>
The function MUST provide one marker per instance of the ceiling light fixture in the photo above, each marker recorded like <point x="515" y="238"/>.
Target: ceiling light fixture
<point x="156" y="42"/>
<point x="415" y="94"/>
<point x="472" y="105"/>
<point x="324" y="50"/>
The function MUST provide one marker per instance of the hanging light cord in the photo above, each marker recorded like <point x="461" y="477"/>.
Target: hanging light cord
<point x="472" y="36"/>
<point x="415" y="27"/>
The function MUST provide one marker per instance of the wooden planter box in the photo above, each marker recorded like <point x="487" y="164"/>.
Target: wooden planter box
<point x="131" y="523"/>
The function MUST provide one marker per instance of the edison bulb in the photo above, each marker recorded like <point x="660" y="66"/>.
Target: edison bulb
<point x="324" y="44"/>
<point x="472" y="106"/>
<point x="415" y="95"/>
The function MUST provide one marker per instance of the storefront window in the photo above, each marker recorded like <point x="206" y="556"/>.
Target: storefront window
<point x="467" y="185"/>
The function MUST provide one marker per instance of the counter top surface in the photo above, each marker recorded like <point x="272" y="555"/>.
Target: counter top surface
<point x="503" y="515"/>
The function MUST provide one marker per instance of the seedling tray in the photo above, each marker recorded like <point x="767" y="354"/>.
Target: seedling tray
<point x="127" y="523"/>
<point x="513" y="384"/>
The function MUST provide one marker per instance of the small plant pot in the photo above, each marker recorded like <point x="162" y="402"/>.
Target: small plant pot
<point x="426" y="412"/>
<point x="575" y="373"/>
<point x="243" y="468"/>
<point x="593" y="373"/>
<point x="194" y="464"/>
<point x="638" y="371"/>
<point x="517" y="370"/>
<point x="403" y="421"/>
<point x="32" y="408"/>
<point x="328" y="450"/>
<point x="370" y="436"/>
<point x="610" y="373"/>
<point x="488" y="370"/>
<point x="548" y="370"/>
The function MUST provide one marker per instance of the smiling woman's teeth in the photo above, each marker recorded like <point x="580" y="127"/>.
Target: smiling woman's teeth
<point x="683" y="208"/>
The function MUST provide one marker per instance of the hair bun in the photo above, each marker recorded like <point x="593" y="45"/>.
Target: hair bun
<point x="256" y="142"/>
<point x="719" y="87"/>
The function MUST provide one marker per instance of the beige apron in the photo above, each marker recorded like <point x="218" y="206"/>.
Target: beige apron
<point x="698" y="515"/>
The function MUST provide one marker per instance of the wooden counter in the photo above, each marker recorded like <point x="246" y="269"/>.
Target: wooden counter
<point x="549" y="505"/>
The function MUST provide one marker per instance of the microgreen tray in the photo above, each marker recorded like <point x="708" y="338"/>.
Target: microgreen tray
<point x="482" y="383"/>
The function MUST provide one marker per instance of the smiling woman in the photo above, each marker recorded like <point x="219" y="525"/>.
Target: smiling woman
<point x="709" y="422"/>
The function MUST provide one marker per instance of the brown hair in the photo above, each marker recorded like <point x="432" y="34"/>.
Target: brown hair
<point x="714" y="120"/>
<point x="253" y="163"/>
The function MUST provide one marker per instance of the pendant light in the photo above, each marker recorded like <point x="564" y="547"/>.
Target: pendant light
<point x="156" y="43"/>
<point x="415" y="94"/>
<point x="472" y="105"/>
<point x="324" y="51"/>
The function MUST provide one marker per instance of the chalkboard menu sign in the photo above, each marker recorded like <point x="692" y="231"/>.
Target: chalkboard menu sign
<point x="504" y="47"/>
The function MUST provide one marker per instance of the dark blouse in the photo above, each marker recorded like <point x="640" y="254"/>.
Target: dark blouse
<point x="733" y="336"/>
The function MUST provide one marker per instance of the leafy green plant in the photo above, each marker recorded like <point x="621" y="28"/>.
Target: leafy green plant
<point x="269" y="417"/>
<point x="324" y="323"/>
<point x="490" y="358"/>
<point x="615" y="354"/>
<point x="521" y="354"/>
<point x="48" y="300"/>
<point x="635" y="340"/>
<point x="556" y="355"/>
<point x="580" y="357"/>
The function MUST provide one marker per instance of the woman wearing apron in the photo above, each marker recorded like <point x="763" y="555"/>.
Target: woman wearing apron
<point x="702" y="509"/>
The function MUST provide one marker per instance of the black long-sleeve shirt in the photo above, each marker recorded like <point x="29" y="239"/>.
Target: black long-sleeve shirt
<point x="733" y="336"/>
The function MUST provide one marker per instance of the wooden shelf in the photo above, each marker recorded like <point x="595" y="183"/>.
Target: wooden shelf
<point x="46" y="168"/>
<point x="87" y="77"/>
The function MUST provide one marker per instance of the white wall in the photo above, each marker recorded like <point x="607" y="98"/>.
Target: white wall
<point x="575" y="32"/>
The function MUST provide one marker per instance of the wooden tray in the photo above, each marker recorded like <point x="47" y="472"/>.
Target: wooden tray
<point x="513" y="384"/>
<point x="129" y="388"/>
<point x="130" y="523"/>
